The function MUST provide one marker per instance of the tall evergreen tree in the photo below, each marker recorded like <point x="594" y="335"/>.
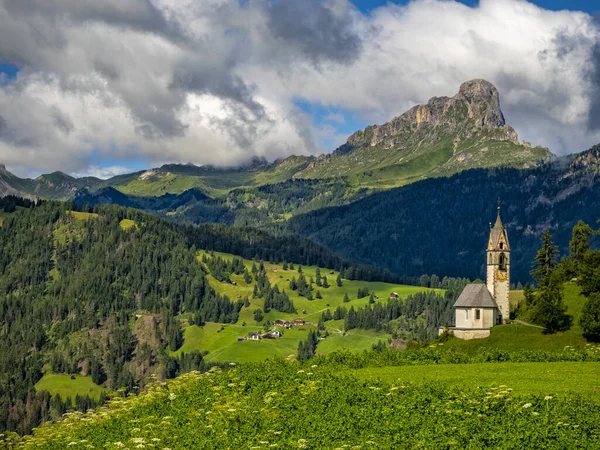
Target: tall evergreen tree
<point x="545" y="262"/>
<point x="580" y="244"/>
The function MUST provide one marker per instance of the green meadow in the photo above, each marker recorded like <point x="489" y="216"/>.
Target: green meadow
<point x="528" y="378"/>
<point x="220" y="340"/>
<point x="63" y="385"/>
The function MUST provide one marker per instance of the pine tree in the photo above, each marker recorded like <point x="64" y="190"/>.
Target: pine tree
<point x="339" y="280"/>
<point x="325" y="282"/>
<point x="247" y="277"/>
<point x="545" y="262"/>
<point x="550" y="310"/>
<point x="318" y="295"/>
<point x="590" y="318"/>
<point x="580" y="244"/>
<point x="346" y="298"/>
<point x="285" y="266"/>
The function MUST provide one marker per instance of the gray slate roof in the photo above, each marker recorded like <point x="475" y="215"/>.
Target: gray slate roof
<point x="475" y="296"/>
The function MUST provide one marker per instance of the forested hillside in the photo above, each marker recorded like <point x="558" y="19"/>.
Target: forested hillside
<point x="441" y="225"/>
<point x="102" y="294"/>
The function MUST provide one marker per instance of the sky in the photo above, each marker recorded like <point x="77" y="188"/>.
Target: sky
<point x="104" y="87"/>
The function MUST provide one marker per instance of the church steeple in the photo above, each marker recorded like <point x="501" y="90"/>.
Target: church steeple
<point x="498" y="236"/>
<point x="498" y="266"/>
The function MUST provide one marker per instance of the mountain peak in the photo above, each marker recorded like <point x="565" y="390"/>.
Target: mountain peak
<point x="483" y="100"/>
<point x="477" y="101"/>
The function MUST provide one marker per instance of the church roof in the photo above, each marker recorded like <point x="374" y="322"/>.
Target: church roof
<point x="496" y="232"/>
<point x="475" y="296"/>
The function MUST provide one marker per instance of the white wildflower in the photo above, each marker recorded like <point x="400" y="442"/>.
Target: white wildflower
<point x="527" y="405"/>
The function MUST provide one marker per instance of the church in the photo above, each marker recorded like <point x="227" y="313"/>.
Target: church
<point x="481" y="306"/>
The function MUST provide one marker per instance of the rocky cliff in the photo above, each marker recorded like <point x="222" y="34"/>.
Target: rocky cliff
<point x="443" y="136"/>
<point x="477" y="101"/>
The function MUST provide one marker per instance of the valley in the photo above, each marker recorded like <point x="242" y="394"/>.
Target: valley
<point x="320" y="274"/>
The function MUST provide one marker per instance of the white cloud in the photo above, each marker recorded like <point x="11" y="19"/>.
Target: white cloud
<point x="103" y="173"/>
<point x="215" y="82"/>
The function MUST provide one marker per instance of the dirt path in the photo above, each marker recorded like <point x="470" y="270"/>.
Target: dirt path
<point x="527" y="324"/>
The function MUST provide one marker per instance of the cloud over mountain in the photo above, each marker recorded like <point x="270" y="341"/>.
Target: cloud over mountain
<point x="218" y="81"/>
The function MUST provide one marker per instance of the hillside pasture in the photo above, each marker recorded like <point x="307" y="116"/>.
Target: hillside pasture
<point x="531" y="378"/>
<point x="223" y="345"/>
<point x="63" y="385"/>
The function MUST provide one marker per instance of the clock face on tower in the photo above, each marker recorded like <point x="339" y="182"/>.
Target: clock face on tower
<point x="501" y="275"/>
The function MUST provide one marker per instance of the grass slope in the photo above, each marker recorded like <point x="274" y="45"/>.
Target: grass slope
<point x="63" y="385"/>
<point x="280" y="404"/>
<point x="221" y="340"/>
<point x="517" y="336"/>
<point x="533" y="378"/>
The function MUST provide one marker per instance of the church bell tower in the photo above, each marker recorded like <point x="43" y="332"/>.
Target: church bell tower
<point x="498" y="267"/>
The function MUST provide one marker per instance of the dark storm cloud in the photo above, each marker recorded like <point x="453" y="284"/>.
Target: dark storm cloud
<point x="12" y="137"/>
<point x="315" y="30"/>
<point x="135" y="14"/>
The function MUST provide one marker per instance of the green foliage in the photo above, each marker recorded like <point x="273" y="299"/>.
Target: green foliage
<point x="545" y="262"/>
<point x="392" y="413"/>
<point x="550" y="310"/>
<point x="590" y="317"/>
<point x="258" y="315"/>
<point x="580" y="244"/>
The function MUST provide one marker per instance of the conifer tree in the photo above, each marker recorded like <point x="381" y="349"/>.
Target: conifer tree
<point x="580" y="243"/>
<point x="545" y="262"/>
<point x="339" y="280"/>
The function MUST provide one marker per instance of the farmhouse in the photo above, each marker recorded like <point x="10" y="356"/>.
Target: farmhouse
<point x="276" y="333"/>
<point x="298" y="321"/>
<point x="254" y="336"/>
<point x="481" y="306"/>
<point x="394" y="295"/>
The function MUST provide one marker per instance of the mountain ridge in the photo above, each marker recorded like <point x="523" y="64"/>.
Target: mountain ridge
<point x="442" y="137"/>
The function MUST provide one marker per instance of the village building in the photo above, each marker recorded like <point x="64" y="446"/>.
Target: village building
<point x="481" y="306"/>
<point x="254" y="336"/>
<point x="299" y="321"/>
<point x="276" y="333"/>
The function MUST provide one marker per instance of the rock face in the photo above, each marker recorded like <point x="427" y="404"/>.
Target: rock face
<point x="477" y="101"/>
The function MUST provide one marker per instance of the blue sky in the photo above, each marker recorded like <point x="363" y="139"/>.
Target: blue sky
<point x="589" y="6"/>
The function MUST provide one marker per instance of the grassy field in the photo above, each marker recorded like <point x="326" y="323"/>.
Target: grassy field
<point x="64" y="386"/>
<point x="223" y="345"/>
<point x="517" y="336"/>
<point x="556" y="378"/>
<point x="126" y="224"/>
<point x="279" y="404"/>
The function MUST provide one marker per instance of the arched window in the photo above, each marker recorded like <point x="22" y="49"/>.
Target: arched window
<point x="502" y="261"/>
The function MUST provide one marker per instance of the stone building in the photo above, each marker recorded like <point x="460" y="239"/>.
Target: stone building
<point x="481" y="306"/>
